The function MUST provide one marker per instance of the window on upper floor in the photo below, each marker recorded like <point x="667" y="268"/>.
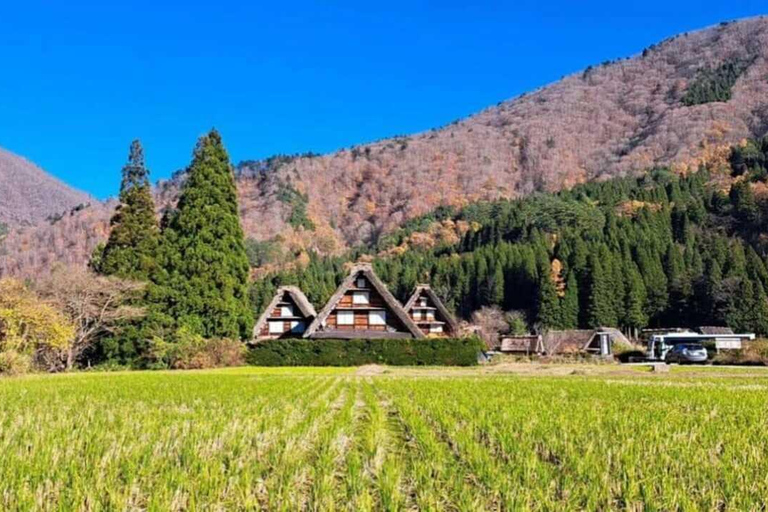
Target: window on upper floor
<point x="361" y="298"/>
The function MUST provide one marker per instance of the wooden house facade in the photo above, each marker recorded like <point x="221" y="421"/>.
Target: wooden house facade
<point x="363" y="307"/>
<point x="430" y="314"/>
<point x="288" y="315"/>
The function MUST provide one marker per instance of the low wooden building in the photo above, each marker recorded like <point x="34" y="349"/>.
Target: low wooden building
<point x="287" y="316"/>
<point x="428" y="312"/>
<point x="363" y="307"/>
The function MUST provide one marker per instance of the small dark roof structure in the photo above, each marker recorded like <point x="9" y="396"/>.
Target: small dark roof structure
<point x="529" y="344"/>
<point x="365" y="269"/>
<point x="575" y="341"/>
<point x="567" y="342"/>
<point x="444" y="313"/>
<point x="710" y="329"/>
<point x="301" y="301"/>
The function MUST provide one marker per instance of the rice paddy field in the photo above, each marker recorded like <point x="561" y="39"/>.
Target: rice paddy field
<point x="512" y="438"/>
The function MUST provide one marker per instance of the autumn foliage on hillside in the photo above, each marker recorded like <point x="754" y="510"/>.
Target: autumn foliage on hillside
<point x="29" y="195"/>
<point x="613" y="119"/>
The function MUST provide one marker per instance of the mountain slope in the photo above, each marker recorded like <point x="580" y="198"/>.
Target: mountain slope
<point x="29" y="195"/>
<point x="611" y="120"/>
<point x="682" y="102"/>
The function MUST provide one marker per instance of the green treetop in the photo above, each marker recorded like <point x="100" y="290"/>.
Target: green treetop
<point x="132" y="247"/>
<point x="204" y="283"/>
<point x="569" y="304"/>
<point x="600" y="311"/>
<point x="548" y="303"/>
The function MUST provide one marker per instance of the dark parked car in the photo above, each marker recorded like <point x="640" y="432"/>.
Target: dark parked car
<point x="687" y="353"/>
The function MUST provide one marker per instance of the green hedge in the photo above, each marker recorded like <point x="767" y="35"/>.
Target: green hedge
<point x="399" y="352"/>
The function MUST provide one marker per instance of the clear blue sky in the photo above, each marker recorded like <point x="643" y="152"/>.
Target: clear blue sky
<point x="80" y="79"/>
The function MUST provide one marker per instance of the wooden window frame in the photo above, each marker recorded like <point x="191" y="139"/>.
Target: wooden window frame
<point x="380" y="317"/>
<point x="349" y="317"/>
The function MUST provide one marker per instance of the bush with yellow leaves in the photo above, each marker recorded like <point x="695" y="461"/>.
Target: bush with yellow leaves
<point x="33" y="334"/>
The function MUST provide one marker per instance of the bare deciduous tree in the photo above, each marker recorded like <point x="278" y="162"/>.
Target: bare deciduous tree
<point x="492" y="323"/>
<point x="96" y="305"/>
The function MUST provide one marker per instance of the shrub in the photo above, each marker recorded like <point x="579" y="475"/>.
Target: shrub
<point x="398" y="352"/>
<point x="754" y="353"/>
<point x="222" y="352"/>
<point x="14" y="363"/>
<point x="626" y="352"/>
<point x="187" y="351"/>
<point x="31" y="331"/>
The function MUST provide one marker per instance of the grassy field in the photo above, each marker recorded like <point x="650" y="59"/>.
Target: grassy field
<point x="499" y="438"/>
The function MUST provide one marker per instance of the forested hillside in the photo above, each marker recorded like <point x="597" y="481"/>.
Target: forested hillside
<point x="677" y="104"/>
<point x="28" y="195"/>
<point x="663" y="249"/>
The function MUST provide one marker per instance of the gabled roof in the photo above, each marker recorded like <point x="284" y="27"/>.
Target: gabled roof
<point x="531" y="343"/>
<point x="576" y="340"/>
<point x="571" y="340"/>
<point x="306" y="307"/>
<point x="366" y="270"/>
<point x="425" y="288"/>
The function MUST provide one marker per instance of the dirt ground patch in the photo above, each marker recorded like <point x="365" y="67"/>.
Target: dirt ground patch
<point x="370" y="370"/>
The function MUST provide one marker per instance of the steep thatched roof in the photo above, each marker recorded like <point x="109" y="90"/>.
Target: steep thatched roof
<point x="366" y="270"/>
<point x="530" y="344"/>
<point x="572" y="341"/>
<point x="425" y="288"/>
<point x="298" y="297"/>
<point x="568" y="341"/>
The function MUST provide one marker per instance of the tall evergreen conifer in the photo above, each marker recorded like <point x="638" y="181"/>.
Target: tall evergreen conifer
<point x="655" y="283"/>
<point x="569" y="304"/>
<point x="496" y="287"/>
<point x="131" y="251"/>
<point x="600" y="312"/>
<point x="635" y="317"/>
<point x="715" y="305"/>
<point x="548" y="314"/>
<point x="205" y="280"/>
<point x="680" y="289"/>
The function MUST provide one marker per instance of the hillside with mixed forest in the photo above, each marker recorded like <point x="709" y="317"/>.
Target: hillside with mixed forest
<point x="662" y="249"/>
<point x="679" y="104"/>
